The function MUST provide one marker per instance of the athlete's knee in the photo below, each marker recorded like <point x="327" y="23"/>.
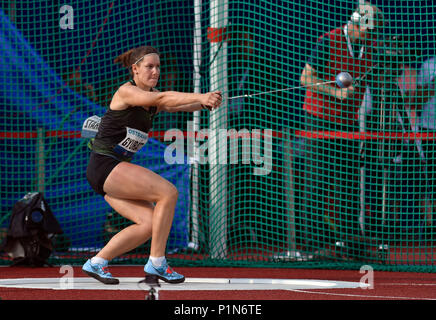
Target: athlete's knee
<point x="166" y="193"/>
<point x="170" y="192"/>
<point x="173" y="192"/>
<point x="144" y="229"/>
<point x="143" y="224"/>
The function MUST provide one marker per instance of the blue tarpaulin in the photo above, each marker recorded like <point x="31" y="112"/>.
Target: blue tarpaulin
<point x="33" y="96"/>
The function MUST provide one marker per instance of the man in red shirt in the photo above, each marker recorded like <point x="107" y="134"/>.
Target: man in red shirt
<point x="332" y="164"/>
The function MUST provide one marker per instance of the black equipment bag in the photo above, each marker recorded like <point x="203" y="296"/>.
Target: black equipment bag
<point x="31" y="229"/>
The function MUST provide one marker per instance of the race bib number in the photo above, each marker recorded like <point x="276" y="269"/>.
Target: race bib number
<point x="132" y="143"/>
<point x="90" y="127"/>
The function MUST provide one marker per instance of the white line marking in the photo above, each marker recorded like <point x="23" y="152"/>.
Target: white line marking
<point x="126" y="283"/>
<point x="369" y="297"/>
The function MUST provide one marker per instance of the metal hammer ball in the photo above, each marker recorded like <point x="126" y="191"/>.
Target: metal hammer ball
<point x="344" y="80"/>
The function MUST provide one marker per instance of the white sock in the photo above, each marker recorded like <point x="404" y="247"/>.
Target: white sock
<point x="98" y="260"/>
<point x="157" y="261"/>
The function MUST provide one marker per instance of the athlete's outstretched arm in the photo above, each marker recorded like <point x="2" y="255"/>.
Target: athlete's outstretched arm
<point x="128" y="95"/>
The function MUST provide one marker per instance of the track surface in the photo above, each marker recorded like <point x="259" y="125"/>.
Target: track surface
<point x="385" y="285"/>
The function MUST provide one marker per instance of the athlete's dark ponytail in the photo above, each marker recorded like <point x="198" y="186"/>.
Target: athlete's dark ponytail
<point x="132" y="56"/>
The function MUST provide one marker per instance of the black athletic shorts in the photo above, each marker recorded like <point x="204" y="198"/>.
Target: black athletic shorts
<point x="99" y="167"/>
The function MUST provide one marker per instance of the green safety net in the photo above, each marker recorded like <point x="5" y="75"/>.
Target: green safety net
<point x="280" y="175"/>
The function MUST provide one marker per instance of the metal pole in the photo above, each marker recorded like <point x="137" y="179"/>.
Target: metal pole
<point x="193" y="157"/>
<point x="40" y="162"/>
<point x="367" y="102"/>
<point x="218" y="120"/>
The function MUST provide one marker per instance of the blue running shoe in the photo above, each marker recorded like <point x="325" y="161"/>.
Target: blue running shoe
<point x="99" y="272"/>
<point x="163" y="272"/>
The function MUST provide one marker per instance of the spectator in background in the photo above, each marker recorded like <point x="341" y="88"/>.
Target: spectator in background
<point x="412" y="179"/>
<point x="332" y="164"/>
<point x="407" y="179"/>
<point x="425" y="104"/>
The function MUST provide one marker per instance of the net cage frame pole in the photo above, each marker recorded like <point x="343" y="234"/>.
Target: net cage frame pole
<point x="218" y="121"/>
<point x="362" y="172"/>
<point x="40" y="160"/>
<point x="288" y="149"/>
<point x="194" y="159"/>
<point x="362" y="188"/>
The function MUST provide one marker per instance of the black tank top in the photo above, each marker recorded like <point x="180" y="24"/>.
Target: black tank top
<point x="122" y="133"/>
